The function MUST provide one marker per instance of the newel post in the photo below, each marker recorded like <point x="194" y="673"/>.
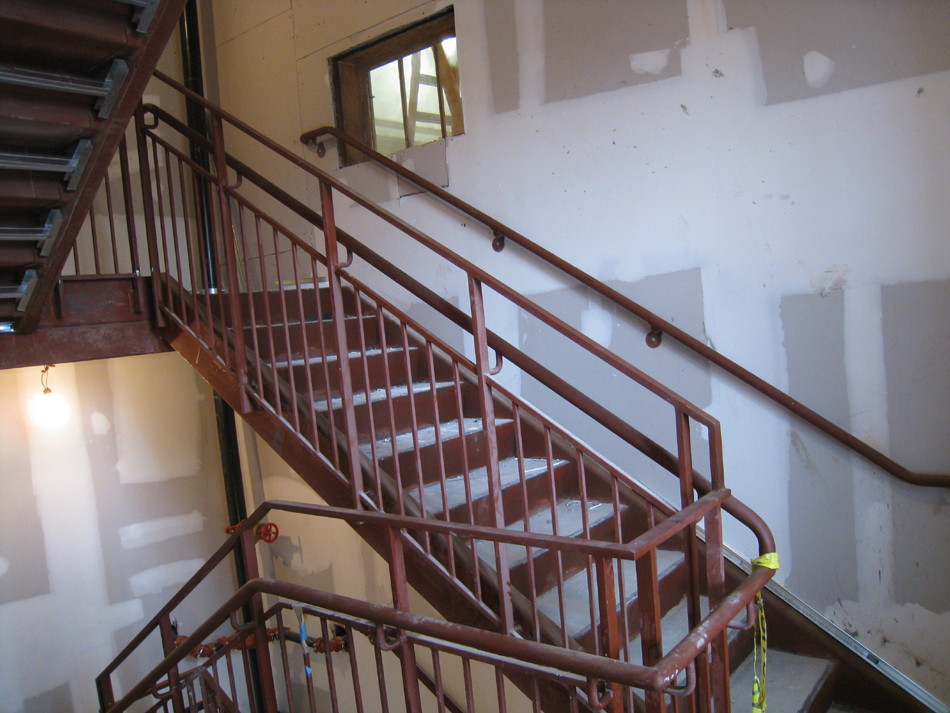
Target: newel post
<point x="483" y="367"/>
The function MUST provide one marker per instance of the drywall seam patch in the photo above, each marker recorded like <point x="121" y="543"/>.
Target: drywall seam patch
<point x="154" y="580"/>
<point x="140" y="534"/>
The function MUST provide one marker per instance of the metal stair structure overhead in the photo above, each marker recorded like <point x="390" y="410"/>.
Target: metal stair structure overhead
<point x="71" y="74"/>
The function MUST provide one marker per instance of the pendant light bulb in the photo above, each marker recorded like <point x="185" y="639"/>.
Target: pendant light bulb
<point x="49" y="409"/>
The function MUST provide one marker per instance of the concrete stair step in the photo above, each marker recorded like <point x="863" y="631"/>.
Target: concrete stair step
<point x="794" y="683"/>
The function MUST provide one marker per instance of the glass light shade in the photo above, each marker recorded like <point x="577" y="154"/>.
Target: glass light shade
<point x="49" y="409"/>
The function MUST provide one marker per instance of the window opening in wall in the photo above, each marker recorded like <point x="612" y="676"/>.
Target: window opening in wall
<point x="400" y="90"/>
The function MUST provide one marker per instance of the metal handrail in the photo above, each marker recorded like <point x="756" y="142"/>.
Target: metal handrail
<point x="657" y="325"/>
<point x="657" y="678"/>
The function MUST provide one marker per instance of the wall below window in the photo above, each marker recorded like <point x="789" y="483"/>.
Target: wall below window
<point x="806" y="192"/>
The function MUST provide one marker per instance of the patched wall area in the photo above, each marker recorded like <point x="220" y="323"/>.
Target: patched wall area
<point x="820" y="490"/>
<point x="916" y="324"/>
<point x="104" y="518"/>
<point x="814" y="48"/>
<point x="679" y="296"/>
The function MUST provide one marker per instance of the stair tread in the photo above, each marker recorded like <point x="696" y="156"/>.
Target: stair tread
<point x="576" y="594"/>
<point x="570" y="524"/>
<point x="455" y="492"/>
<point x="377" y="395"/>
<point x="792" y="680"/>
<point x="330" y="358"/>
<point x="426" y="435"/>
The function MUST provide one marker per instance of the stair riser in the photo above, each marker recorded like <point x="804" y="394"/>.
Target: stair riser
<point x="276" y="302"/>
<point x="400" y="409"/>
<point x="452" y="454"/>
<point x="295" y="335"/>
<point x="671" y="588"/>
<point x="372" y="365"/>
<point x="537" y="488"/>
<point x="546" y="563"/>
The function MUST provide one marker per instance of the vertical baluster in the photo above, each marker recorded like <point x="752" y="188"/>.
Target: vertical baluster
<point x="285" y="322"/>
<point x="129" y="208"/>
<point x="466" y="474"/>
<point x="331" y="677"/>
<point x="440" y="454"/>
<point x="592" y="591"/>
<point x="354" y="666"/>
<point x="107" y="182"/>
<point x="500" y="691"/>
<point x="437" y="676"/>
<point x="490" y="435"/>
<point x="367" y="389"/>
<point x="555" y="527"/>
<point x="95" y="241"/>
<point x="308" y="393"/>
<point x="414" y="420"/>
<point x="336" y="304"/>
<point x="251" y="309"/>
<point x="388" y="387"/>
<point x="381" y="679"/>
<point x="169" y="297"/>
<point x="526" y="509"/>
<point x="469" y="688"/>
<point x="148" y="208"/>
<point x="325" y="371"/>
<point x="282" y="641"/>
<point x="237" y="322"/>
<point x="175" y="238"/>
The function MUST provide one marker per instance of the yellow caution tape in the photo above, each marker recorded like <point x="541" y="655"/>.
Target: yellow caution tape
<point x="769" y="560"/>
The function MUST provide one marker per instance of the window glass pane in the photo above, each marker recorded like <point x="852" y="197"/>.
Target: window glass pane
<point x="387" y="108"/>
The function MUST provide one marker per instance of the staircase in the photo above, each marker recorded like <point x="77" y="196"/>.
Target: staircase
<point x="497" y="515"/>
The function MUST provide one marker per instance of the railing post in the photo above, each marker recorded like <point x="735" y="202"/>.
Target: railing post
<point x="264" y="679"/>
<point x="234" y="288"/>
<point x="716" y="579"/>
<point x="148" y="208"/>
<point x="168" y="645"/>
<point x="106" y="694"/>
<point x="694" y="606"/>
<point x="610" y="627"/>
<point x="400" y="591"/>
<point x="651" y="637"/>
<point x="480" y="332"/>
<point x="339" y="328"/>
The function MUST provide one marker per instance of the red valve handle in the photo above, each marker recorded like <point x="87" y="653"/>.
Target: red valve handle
<point x="269" y="532"/>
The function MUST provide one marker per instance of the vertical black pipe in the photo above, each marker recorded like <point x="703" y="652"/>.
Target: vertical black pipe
<point x="227" y="428"/>
<point x="197" y="120"/>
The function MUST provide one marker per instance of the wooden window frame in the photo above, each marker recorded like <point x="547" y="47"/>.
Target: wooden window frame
<point x="349" y="75"/>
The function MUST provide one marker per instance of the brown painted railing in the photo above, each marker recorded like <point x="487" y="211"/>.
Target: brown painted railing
<point x="656" y="324"/>
<point x="597" y="681"/>
<point x="306" y="338"/>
